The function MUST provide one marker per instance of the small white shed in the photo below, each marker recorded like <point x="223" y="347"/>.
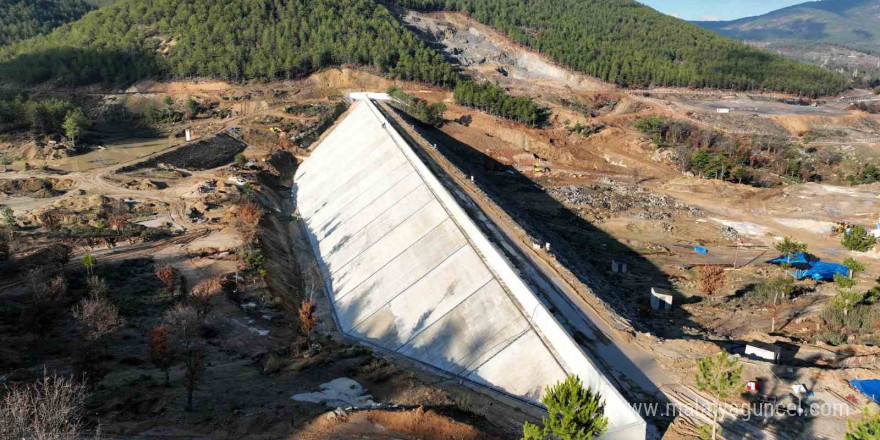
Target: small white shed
<point x="661" y="299"/>
<point x="722" y="110"/>
<point x="763" y="351"/>
<point x="618" y="266"/>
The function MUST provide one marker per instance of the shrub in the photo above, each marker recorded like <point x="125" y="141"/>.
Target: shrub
<point x="869" y="174"/>
<point x="430" y="114"/>
<point x="241" y="159"/>
<point x="47" y="298"/>
<point x="832" y="338"/>
<point x="51" y="409"/>
<point x="843" y="281"/>
<point x="848" y="311"/>
<point x="856" y="267"/>
<point x="96" y="319"/>
<point x="777" y="288"/>
<point x="274" y="364"/>
<point x="856" y="238"/>
<point x="711" y="279"/>
<point x="167" y="275"/>
<point x="867" y="429"/>
<point x="245" y="218"/>
<point x="308" y="322"/>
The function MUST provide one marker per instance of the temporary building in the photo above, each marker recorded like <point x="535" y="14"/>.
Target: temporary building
<point x="767" y="352"/>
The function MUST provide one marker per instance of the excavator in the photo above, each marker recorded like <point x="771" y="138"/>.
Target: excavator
<point x="840" y="228"/>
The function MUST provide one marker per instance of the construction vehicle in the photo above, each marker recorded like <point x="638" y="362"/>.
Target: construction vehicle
<point x="840" y="228"/>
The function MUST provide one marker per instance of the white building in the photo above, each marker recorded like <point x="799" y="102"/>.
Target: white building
<point x="763" y="351"/>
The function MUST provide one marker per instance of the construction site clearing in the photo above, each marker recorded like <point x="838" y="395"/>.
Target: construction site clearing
<point x="598" y="229"/>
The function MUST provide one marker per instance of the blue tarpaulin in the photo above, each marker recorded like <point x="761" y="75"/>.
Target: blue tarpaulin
<point x="810" y="267"/>
<point x="868" y="387"/>
<point x="821" y="270"/>
<point x="799" y="258"/>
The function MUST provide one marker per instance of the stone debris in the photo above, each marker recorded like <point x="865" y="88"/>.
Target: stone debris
<point x="728" y="232"/>
<point x="341" y="393"/>
<point x="608" y="197"/>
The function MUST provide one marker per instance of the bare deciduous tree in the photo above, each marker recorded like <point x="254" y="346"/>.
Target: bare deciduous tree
<point x="5" y="252"/>
<point x="118" y="216"/>
<point x="47" y="298"/>
<point x="202" y="294"/>
<point x="711" y="279"/>
<point x="307" y="319"/>
<point x="161" y="352"/>
<point x="246" y="219"/>
<point x="168" y="277"/>
<point x="98" y="287"/>
<point x="183" y="320"/>
<point x="50" y="409"/>
<point x="97" y="319"/>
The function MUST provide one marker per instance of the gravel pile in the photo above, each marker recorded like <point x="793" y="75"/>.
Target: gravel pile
<point x="611" y="197"/>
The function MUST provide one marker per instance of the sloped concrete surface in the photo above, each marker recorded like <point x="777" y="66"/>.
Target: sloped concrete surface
<point x="409" y="272"/>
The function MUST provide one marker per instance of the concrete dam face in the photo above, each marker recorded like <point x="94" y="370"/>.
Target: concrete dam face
<point x="407" y="271"/>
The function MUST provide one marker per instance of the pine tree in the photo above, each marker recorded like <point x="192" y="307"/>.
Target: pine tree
<point x="867" y="429"/>
<point x="718" y="375"/>
<point x="74" y="121"/>
<point x="789" y="247"/>
<point x="573" y="413"/>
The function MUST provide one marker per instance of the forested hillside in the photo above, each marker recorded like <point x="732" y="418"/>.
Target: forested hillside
<point x="233" y="40"/>
<point x="629" y="44"/>
<point x="22" y="19"/>
<point x="854" y="23"/>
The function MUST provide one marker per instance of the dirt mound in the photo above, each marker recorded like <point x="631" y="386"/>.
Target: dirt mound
<point x="35" y="187"/>
<point x="144" y="185"/>
<point x="416" y="424"/>
<point x="333" y="81"/>
<point x="799" y="124"/>
<point x="205" y="154"/>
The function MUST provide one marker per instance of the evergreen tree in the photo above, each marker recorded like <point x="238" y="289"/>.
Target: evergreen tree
<point x="494" y="100"/>
<point x="867" y="429"/>
<point x="21" y="19"/>
<point x="74" y="122"/>
<point x="626" y="43"/>
<point x="243" y="40"/>
<point x="718" y="375"/>
<point x="856" y="238"/>
<point x="573" y="413"/>
<point x="789" y="246"/>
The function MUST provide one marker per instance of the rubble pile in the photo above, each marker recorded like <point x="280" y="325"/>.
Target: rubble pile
<point x="608" y="197"/>
<point x="35" y="187"/>
<point x="728" y="232"/>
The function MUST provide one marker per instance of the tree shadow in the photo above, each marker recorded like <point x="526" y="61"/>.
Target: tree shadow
<point x="69" y="66"/>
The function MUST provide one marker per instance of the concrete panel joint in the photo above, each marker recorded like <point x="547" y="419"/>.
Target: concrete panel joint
<point x="408" y="271"/>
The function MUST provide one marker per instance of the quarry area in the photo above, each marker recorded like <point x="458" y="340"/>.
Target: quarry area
<point x="455" y="270"/>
